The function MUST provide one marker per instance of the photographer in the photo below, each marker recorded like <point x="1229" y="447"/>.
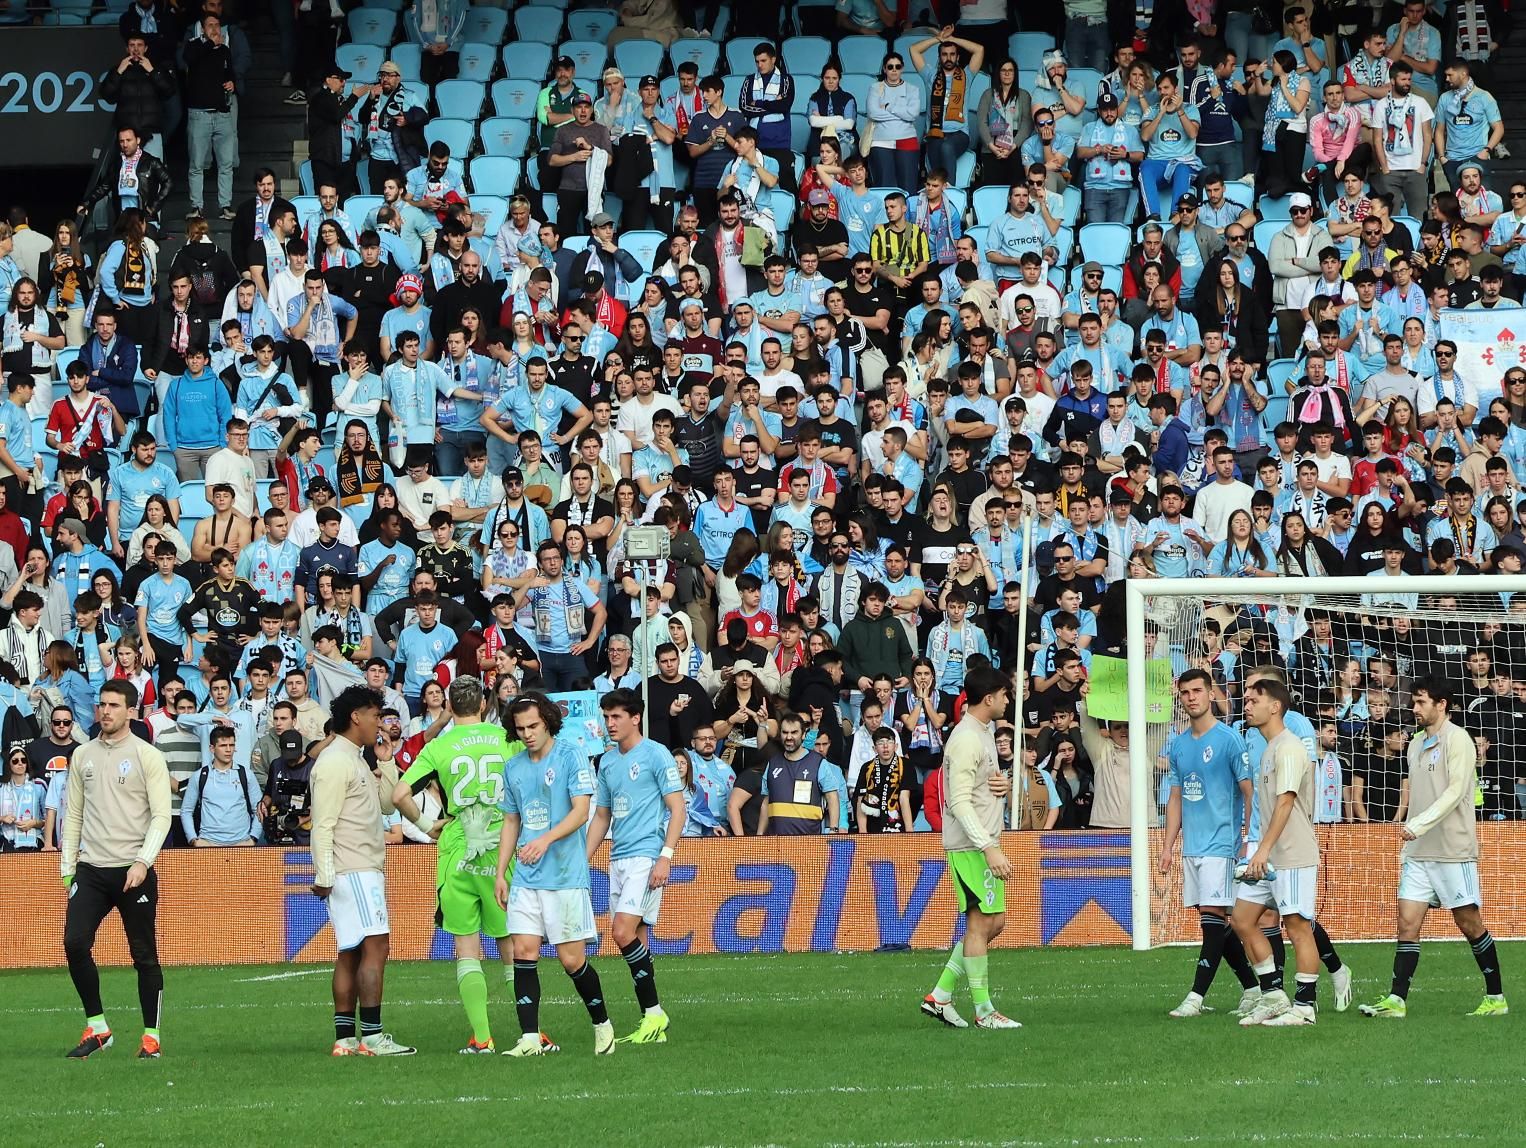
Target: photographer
<point x="285" y="810"/>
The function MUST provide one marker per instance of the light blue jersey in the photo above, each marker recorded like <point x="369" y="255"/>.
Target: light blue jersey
<point x="1208" y="770"/>
<point x="392" y="583"/>
<point x="130" y="488"/>
<point x="419" y="651"/>
<point x="164" y="600"/>
<point x="1255" y="745"/>
<point x="540" y="794"/>
<point x="632" y="787"/>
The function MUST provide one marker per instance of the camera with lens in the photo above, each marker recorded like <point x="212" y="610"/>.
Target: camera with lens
<point x="289" y="820"/>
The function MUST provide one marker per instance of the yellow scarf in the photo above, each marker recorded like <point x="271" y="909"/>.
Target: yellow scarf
<point x="955" y="94"/>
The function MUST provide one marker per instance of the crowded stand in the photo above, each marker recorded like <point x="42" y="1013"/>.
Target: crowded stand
<point x="843" y="302"/>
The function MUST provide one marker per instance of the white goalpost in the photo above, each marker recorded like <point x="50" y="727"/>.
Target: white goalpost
<point x="1418" y="626"/>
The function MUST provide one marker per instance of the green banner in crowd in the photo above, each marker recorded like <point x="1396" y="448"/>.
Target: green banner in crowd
<point x="1108" y="698"/>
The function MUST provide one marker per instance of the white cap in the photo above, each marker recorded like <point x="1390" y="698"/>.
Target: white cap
<point x="1299" y="199"/>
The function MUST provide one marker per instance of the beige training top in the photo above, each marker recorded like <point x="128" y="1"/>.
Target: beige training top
<point x="1287" y="768"/>
<point x="348" y="806"/>
<point x="1443" y="774"/>
<point x="117" y="805"/>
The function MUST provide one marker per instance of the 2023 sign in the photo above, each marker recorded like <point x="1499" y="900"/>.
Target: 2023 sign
<point x="49" y="92"/>
<point x="51" y="109"/>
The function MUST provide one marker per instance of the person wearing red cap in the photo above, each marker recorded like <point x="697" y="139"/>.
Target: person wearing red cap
<point x="408" y="314"/>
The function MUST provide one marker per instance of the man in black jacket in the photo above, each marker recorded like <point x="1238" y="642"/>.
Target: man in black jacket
<point x="472" y="289"/>
<point x="327" y="105"/>
<point x="177" y="326"/>
<point x="133" y="178"/>
<point x="255" y="214"/>
<point x="139" y="90"/>
<point x="211" y="113"/>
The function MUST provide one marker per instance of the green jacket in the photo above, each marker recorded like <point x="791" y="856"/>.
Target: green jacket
<point x="871" y="646"/>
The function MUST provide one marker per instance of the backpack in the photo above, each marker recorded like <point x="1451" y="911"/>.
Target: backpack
<point x="201" y="793"/>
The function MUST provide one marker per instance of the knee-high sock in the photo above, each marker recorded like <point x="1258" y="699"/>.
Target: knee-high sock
<point x="472" y="986"/>
<point x="586" y="981"/>
<point x="639" y="959"/>
<point x="1215" y="930"/>
<point x="952" y="974"/>
<point x="1488" y="963"/>
<point x="1325" y="947"/>
<point x="1273" y="935"/>
<point x="1239" y="964"/>
<point x="527" y="995"/>
<point x="1406" y="960"/>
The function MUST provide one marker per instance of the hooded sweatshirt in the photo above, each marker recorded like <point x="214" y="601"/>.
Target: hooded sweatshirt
<point x="196" y="412"/>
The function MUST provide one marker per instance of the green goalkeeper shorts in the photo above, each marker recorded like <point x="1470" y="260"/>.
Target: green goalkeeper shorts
<point x="464" y="889"/>
<point x="975" y="885"/>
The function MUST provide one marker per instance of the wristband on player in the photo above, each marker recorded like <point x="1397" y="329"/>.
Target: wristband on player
<point x="424" y="823"/>
<point x="667" y="854"/>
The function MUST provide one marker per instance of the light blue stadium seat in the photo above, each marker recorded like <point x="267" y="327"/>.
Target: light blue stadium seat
<point x="372" y="26"/>
<point x="1027" y="49"/>
<point x="494" y="209"/>
<point x="538" y="22"/>
<point x="505" y="136"/>
<point x="409" y="58"/>
<point x="526" y="60"/>
<point x="731" y="86"/>
<point x="494" y="175"/>
<point x="703" y="54"/>
<point x="739" y="57"/>
<point x="1275" y="411"/>
<point x="805" y="56"/>
<point x="460" y="99"/>
<point x="964" y="173"/>
<point x="1070" y="211"/>
<point x="783" y="204"/>
<point x="637" y="58"/>
<point x="588" y="55"/>
<point x="478" y="61"/>
<point x="1264" y="231"/>
<point x="592" y="24"/>
<point x="358" y="207"/>
<point x="305" y="177"/>
<point x="643" y="246"/>
<point x="1274" y="207"/>
<point x="989" y="203"/>
<point x="360" y="60"/>
<point x="307" y="206"/>
<point x="1279" y="371"/>
<point x="1107" y="243"/>
<point x="456" y="134"/>
<point x="863" y="54"/>
<point x="799" y="133"/>
<point x="485" y="25"/>
<point x="516" y="98"/>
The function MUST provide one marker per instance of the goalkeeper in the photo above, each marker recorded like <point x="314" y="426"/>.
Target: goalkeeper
<point x="467" y="760"/>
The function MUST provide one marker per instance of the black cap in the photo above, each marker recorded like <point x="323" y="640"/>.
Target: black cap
<point x="513" y="474"/>
<point x="647" y="82"/>
<point x="566" y="62"/>
<point x="291" y="745"/>
<point x="336" y="70"/>
<point x="1107" y="100"/>
<point x="319" y="483"/>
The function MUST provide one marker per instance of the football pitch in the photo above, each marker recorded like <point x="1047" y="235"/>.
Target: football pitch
<point x="778" y="1050"/>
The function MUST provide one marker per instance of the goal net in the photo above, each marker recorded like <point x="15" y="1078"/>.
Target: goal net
<point x="1350" y="649"/>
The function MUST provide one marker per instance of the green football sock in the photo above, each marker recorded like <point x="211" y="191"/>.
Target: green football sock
<point x="952" y="974"/>
<point x="472" y="986"/>
<point x="980" y="987"/>
<point x="153" y="1032"/>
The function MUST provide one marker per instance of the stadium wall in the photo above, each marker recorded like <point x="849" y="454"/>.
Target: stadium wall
<point x="759" y="895"/>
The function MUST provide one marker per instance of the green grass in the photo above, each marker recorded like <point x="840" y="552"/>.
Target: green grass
<point x="786" y="1050"/>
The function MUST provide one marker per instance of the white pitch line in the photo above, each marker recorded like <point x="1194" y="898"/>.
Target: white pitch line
<point x="283" y="976"/>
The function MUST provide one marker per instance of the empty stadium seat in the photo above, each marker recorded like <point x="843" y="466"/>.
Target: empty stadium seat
<point x="592" y="23"/>
<point x="485" y="25"/>
<point x="460" y="99"/>
<point x="372" y="26"/>
<point x="526" y="60"/>
<point x="516" y="97"/>
<point x="455" y="134"/>
<point x="494" y="175"/>
<point x="505" y="136"/>
<point x="538" y="22"/>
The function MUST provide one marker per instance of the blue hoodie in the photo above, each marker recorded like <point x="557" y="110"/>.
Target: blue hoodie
<point x="196" y="412"/>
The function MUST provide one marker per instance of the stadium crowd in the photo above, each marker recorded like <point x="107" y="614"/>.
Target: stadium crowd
<point x="843" y="312"/>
